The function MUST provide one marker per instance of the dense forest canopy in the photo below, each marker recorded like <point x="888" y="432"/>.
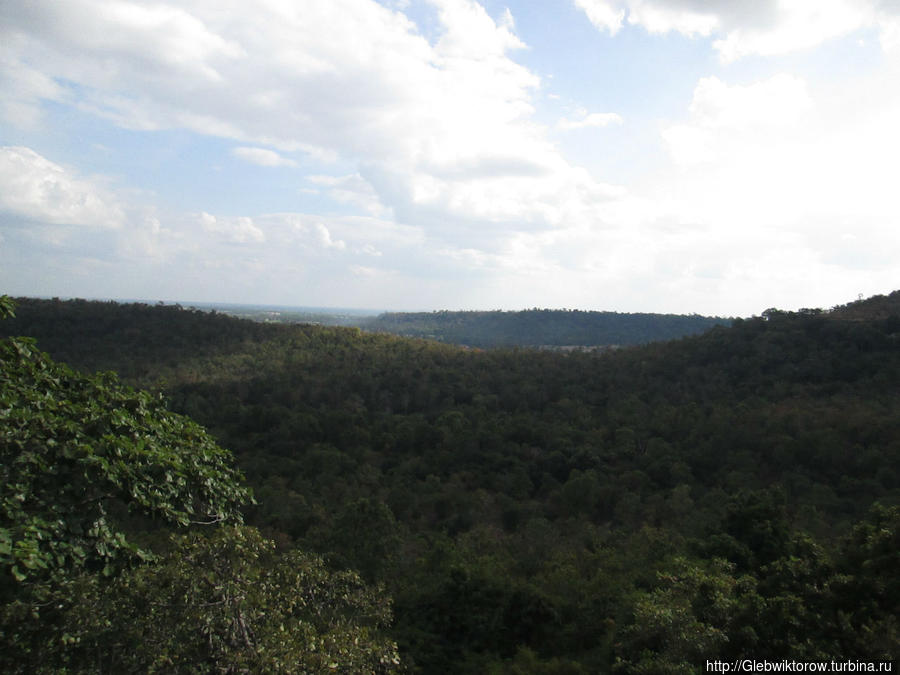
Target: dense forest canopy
<point x="722" y="495"/>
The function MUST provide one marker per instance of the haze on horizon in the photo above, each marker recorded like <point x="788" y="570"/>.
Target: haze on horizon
<point x="670" y="156"/>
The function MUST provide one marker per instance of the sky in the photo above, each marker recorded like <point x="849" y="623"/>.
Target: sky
<point x="681" y="156"/>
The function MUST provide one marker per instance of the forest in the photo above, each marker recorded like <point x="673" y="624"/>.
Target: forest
<point x="545" y="328"/>
<point x="302" y="498"/>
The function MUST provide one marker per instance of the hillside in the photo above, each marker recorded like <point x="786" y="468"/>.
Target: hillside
<point x="541" y="327"/>
<point x="869" y="309"/>
<point x="723" y="494"/>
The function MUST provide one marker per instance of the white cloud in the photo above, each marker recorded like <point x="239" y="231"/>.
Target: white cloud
<point x="24" y="88"/>
<point x="431" y="134"/>
<point x="262" y="157"/>
<point x="241" y="230"/>
<point x="37" y="189"/>
<point x="351" y="189"/>
<point x="368" y="249"/>
<point x="125" y="38"/>
<point x="324" y="238"/>
<point x="348" y="80"/>
<point x="469" y="33"/>
<point x="664" y="17"/>
<point x="764" y="27"/>
<point x="782" y="99"/>
<point x="775" y="175"/>
<point x="52" y="209"/>
<point x="722" y="114"/>
<point x="797" y="25"/>
<point x="603" y="14"/>
<point x="365" y="272"/>
<point x="590" y="120"/>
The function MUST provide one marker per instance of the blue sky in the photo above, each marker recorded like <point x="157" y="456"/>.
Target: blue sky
<point x="631" y="155"/>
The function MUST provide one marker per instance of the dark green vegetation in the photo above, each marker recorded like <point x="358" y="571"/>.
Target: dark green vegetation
<point x="541" y="327"/>
<point x="95" y="476"/>
<point x="546" y="328"/>
<point x="728" y="495"/>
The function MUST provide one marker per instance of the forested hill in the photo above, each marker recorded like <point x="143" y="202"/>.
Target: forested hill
<point x="140" y="342"/>
<point x="870" y="309"/>
<point x="541" y="327"/>
<point x="727" y="495"/>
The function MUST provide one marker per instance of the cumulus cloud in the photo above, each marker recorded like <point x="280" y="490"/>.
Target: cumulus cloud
<point x="241" y="230"/>
<point x="324" y="238"/>
<point x="262" y="157"/>
<point x="354" y="81"/>
<point x="428" y="134"/>
<point x="765" y="27"/>
<point x="775" y="176"/>
<point x="603" y="14"/>
<point x="721" y="113"/>
<point x="125" y="39"/>
<point x="49" y="210"/>
<point x="39" y="190"/>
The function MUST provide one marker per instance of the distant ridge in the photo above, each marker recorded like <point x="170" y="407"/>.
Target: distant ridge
<point x="542" y="327"/>
<point x="873" y="308"/>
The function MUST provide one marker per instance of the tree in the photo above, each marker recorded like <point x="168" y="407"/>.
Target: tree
<point x="90" y="473"/>
<point x="82" y="455"/>
<point x="83" y="461"/>
<point x="364" y="537"/>
<point x="228" y="603"/>
<point x="7" y="308"/>
<point x="697" y="610"/>
<point x="866" y="589"/>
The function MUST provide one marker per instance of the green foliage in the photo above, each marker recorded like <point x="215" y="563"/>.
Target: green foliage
<point x="365" y="538"/>
<point x="801" y="606"/>
<point x="690" y="616"/>
<point x="7" y="307"/>
<point x="542" y="512"/>
<point x="866" y="589"/>
<point x="80" y="454"/>
<point x="226" y="603"/>
<point x="481" y="614"/>
<point x="754" y="531"/>
<point x="87" y="465"/>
